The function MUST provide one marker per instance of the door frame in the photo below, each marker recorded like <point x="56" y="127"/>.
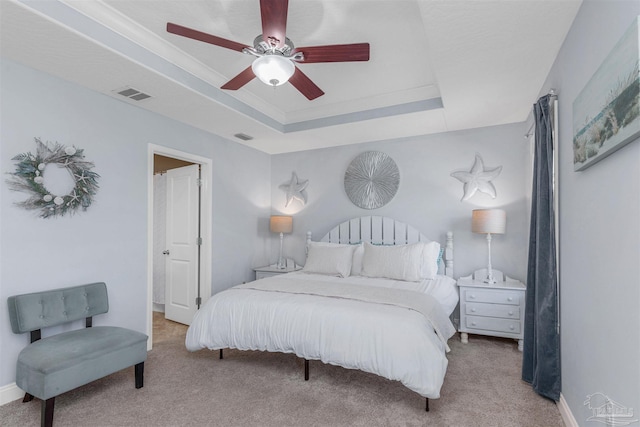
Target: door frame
<point x="205" y="225"/>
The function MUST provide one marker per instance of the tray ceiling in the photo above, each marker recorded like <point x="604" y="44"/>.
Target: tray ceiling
<point x="435" y="66"/>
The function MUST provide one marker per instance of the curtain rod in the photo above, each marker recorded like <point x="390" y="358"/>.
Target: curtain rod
<point x="552" y="93"/>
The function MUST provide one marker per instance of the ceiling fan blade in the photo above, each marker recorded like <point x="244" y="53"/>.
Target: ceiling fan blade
<point x="274" y="21"/>
<point x="240" y="80"/>
<point x="204" y="37"/>
<point x="304" y="84"/>
<point x="335" y="53"/>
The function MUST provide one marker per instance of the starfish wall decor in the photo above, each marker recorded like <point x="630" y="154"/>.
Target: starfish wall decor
<point x="478" y="179"/>
<point x="295" y="190"/>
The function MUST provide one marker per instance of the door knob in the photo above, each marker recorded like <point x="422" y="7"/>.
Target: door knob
<point x="165" y="252"/>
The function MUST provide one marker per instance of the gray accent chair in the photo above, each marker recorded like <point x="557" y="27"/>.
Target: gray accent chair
<point x="50" y="366"/>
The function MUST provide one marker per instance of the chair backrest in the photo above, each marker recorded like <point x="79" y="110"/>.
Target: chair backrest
<point x="37" y="310"/>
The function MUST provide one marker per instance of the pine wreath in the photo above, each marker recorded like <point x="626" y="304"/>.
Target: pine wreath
<point x="28" y="178"/>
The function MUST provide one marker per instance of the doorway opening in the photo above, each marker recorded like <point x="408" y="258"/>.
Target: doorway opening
<point x="179" y="235"/>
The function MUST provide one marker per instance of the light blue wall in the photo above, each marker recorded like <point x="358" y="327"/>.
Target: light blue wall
<point x="599" y="231"/>
<point x="108" y="242"/>
<point x="428" y="197"/>
<point x="599" y="208"/>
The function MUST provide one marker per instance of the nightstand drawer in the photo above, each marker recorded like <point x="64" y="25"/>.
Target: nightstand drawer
<point x="493" y="324"/>
<point x="492" y="310"/>
<point x="492" y="296"/>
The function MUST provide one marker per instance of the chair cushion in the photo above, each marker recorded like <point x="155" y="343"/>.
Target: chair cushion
<point x="57" y="364"/>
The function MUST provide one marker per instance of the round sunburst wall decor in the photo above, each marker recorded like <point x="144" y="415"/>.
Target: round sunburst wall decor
<point x="371" y="180"/>
<point x="29" y="178"/>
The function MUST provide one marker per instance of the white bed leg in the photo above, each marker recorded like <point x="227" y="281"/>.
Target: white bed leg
<point x="464" y="338"/>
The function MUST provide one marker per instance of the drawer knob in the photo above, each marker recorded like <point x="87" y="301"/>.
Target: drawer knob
<point x="511" y="327"/>
<point x="472" y="296"/>
<point x="473" y="323"/>
<point x="473" y="310"/>
<point x="510" y="299"/>
<point x="511" y="313"/>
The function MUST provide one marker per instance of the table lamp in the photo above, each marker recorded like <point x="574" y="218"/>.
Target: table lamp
<point x="489" y="221"/>
<point x="281" y="224"/>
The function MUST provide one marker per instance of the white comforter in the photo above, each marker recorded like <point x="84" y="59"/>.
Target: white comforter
<point x="388" y="332"/>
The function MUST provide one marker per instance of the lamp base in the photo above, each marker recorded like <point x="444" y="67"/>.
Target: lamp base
<point x="490" y="280"/>
<point x="281" y="263"/>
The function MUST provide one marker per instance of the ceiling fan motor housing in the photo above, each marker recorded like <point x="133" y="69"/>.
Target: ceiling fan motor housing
<point x="263" y="47"/>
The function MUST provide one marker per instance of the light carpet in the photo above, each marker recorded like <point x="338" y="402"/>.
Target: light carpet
<point x="482" y="388"/>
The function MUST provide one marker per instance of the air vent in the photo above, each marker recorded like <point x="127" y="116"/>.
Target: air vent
<point x="131" y="93"/>
<point x="243" y="136"/>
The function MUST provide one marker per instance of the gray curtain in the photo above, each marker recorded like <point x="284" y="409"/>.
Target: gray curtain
<point x="541" y="354"/>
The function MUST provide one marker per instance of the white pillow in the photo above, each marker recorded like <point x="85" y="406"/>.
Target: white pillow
<point x="402" y="262"/>
<point x="331" y="260"/>
<point x="430" y="255"/>
<point x="356" y="263"/>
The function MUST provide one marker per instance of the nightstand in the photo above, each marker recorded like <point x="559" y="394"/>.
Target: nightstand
<point x="273" y="270"/>
<point x="491" y="309"/>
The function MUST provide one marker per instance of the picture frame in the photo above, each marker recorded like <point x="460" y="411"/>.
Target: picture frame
<point x="606" y="113"/>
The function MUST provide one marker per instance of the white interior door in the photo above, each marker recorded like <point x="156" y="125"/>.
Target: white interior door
<point x="182" y="244"/>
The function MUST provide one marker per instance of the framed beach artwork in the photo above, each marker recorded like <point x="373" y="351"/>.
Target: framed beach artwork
<point x="606" y="114"/>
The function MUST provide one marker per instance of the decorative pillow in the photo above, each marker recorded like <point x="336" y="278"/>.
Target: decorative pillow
<point x="430" y="260"/>
<point x="402" y="262"/>
<point x="329" y="259"/>
<point x="356" y="263"/>
<point x="358" y="254"/>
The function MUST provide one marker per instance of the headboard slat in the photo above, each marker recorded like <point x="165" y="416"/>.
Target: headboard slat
<point x="355" y="235"/>
<point x="365" y="229"/>
<point x="344" y="232"/>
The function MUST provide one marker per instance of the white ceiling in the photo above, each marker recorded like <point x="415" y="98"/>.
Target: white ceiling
<point x="436" y="65"/>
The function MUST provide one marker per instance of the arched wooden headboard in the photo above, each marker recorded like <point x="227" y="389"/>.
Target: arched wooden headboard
<point x="381" y="230"/>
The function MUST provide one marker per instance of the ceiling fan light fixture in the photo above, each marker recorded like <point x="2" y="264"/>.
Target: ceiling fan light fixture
<point x="273" y="70"/>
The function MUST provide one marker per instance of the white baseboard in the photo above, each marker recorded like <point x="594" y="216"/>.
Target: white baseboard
<point x="565" y="413"/>
<point x="9" y="393"/>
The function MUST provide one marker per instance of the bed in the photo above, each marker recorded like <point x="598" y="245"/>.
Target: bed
<point x="375" y="295"/>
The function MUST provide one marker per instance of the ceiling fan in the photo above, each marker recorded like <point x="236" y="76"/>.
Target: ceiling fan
<point x="275" y="53"/>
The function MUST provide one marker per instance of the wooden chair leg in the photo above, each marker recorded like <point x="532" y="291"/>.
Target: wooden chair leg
<point x="427" y="407"/>
<point x="221" y="356"/>
<point x="306" y="370"/>
<point x="139" y="375"/>
<point x="27" y="398"/>
<point x="46" y="418"/>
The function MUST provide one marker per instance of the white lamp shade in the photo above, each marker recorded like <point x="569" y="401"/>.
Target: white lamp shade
<point x="485" y="221"/>
<point x="273" y="70"/>
<point x="281" y="224"/>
